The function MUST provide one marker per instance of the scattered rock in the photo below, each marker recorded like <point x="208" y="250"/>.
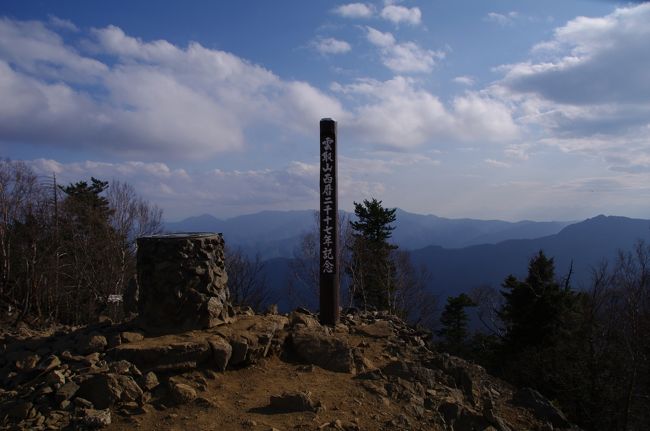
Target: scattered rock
<point x="543" y="408"/>
<point x="149" y="381"/>
<point x="406" y="383"/>
<point x="181" y="393"/>
<point x="94" y="418"/>
<point x="83" y="403"/>
<point x="49" y="363"/>
<point x="294" y="402"/>
<point x="204" y="402"/>
<point x="131" y="337"/>
<point x="240" y="348"/>
<point x="91" y="343"/>
<point x="55" y="377"/>
<point x="378" y="329"/>
<point x="124" y="367"/>
<point x="26" y="361"/>
<point x="221" y="353"/>
<point x="304" y="318"/>
<point x="65" y="392"/>
<point x="104" y="390"/>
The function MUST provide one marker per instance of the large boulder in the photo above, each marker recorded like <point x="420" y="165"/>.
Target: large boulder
<point x="221" y="353"/>
<point x="181" y="393"/>
<point x="331" y="352"/>
<point x="294" y="402"/>
<point x="105" y="390"/>
<point x="165" y="353"/>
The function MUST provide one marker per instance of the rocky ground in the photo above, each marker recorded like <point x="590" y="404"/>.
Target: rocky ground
<point x="261" y="372"/>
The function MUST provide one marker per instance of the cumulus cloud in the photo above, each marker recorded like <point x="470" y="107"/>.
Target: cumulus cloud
<point x="152" y="99"/>
<point x="398" y="14"/>
<point x="41" y="52"/>
<point x="405" y="57"/>
<point x="398" y="114"/>
<point x="355" y="10"/>
<point x="331" y="46"/>
<point x="588" y="86"/>
<point x="592" y="60"/>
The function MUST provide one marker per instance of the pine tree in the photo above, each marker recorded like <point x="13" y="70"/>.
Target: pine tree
<point x="540" y="321"/>
<point x="85" y="206"/>
<point x="371" y="270"/>
<point x="90" y="261"/>
<point x="535" y="308"/>
<point x="454" y="323"/>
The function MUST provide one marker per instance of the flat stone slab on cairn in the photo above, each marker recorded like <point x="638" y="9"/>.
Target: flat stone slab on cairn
<point x="183" y="282"/>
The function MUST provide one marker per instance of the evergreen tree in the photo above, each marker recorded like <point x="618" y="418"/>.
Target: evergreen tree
<point x="454" y="323"/>
<point x="540" y="344"/>
<point x="85" y="206"/>
<point x="535" y="309"/>
<point x="371" y="269"/>
<point x="92" y="263"/>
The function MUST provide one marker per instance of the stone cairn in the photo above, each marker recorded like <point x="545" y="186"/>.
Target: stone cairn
<point x="182" y="282"/>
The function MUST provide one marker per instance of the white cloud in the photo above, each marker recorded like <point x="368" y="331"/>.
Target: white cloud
<point x="378" y="38"/>
<point x="464" y="80"/>
<point x="222" y="192"/>
<point x="593" y="60"/>
<point x="398" y="14"/>
<point x="587" y="88"/>
<point x="355" y="10"/>
<point x="331" y="46"/>
<point x="41" y="52"/>
<point x="405" y="57"/>
<point x="502" y="19"/>
<point x="154" y="98"/>
<point x="480" y="117"/>
<point x="397" y="114"/>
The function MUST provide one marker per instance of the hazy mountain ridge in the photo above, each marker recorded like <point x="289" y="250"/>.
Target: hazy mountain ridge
<point x="456" y="270"/>
<point x="268" y="233"/>
<point x="584" y="244"/>
<point x="277" y="233"/>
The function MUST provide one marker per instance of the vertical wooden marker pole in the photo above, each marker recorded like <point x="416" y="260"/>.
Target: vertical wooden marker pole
<point x="329" y="221"/>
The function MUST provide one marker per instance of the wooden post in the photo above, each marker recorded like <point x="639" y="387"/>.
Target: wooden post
<point x="329" y="221"/>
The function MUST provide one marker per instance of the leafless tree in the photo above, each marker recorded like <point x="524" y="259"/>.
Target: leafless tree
<point x="304" y="280"/>
<point x="246" y="280"/>
<point x="488" y="301"/>
<point x="132" y="217"/>
<point x="55" y="265"/>
<point x="411" y="298"/>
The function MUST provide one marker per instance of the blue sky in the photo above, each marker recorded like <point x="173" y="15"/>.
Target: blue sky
<point x="485" y="109"/>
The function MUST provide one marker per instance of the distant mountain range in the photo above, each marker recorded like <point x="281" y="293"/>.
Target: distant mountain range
<point x="460" y="254"/>
<point x="268" y="234"/>
<point x="277" y="233"/>
<point x="584" y="244"/>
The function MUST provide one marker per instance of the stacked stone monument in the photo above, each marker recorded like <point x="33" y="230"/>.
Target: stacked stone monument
<point x="182" y="282"/>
